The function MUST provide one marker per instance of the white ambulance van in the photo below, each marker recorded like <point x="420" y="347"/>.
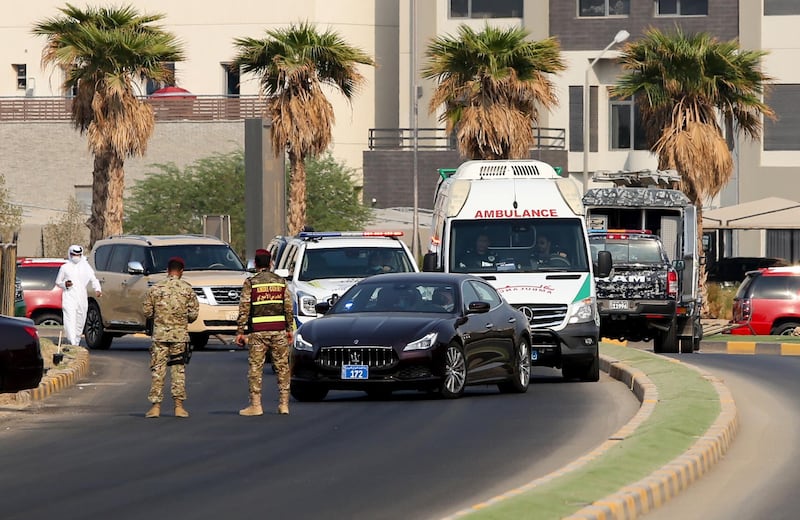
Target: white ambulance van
<point x="520" y="225"/>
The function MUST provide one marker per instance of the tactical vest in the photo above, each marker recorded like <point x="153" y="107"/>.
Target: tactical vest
<point x="266" y="306"/>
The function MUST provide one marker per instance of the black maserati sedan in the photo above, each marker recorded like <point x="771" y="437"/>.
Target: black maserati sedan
<point x="21" y="363"/>
<point x="433" y="332"/>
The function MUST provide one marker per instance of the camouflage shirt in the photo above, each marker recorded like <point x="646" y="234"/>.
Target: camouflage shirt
<point x="246" y="307"/>
<point x="172" y="305"/>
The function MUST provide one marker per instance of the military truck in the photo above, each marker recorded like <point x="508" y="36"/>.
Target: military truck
<point x="649" y="201"/>
<point x="637" y="300"/>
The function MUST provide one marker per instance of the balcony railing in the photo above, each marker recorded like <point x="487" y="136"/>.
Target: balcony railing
<point x="190" y="108"/>
<point x="438" y="139"/>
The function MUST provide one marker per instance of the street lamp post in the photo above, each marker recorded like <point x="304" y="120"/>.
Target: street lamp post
<point x="620" y="37"/>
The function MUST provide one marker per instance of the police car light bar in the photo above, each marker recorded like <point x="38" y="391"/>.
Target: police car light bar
<point x="323" y="234"/>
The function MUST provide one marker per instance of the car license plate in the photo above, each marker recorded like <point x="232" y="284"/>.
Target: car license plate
<point x="233" y="315"/>
<point x="355" y="372"/>
<point x="618" y="305"/>
<point x="534" y="355"/>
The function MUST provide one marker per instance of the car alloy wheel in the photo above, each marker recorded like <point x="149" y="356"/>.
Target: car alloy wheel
<point x="455" y="372"/>
<point x="521" y="375"/>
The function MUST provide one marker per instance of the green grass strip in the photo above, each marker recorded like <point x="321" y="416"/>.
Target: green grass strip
<point x="688" y="405"/>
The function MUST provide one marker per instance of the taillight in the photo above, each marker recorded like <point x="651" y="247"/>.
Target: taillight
<point x="31" y="331"/>
<point x="745" y="309"/>
<point x="672" y="283"/>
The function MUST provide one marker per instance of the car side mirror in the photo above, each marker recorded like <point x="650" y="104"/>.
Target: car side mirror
<point x="679" y="265"/>
<point x="604" y="264"/>
<point x="135" y="267"/>
<point x="322" y="307"/>
<point x="478" y="307"/>
<point x="429" y="262"/>
<point x="283" y="273"/>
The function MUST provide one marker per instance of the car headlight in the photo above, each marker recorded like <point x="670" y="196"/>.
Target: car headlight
<point x="301" y="344"/>
<point x="582" y="311"/>
<point x="424" y="343"/>
<point x="305" y="304"/>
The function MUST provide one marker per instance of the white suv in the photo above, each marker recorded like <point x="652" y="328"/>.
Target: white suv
<point x="318" y="265"/>
<point x="126" y="265"/>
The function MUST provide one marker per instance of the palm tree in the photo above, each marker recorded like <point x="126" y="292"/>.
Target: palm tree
<point x="103" y="51"/>
<point x="684" y="85"/>
<point x="492" y="84"/>
<point x="293" y="64"/>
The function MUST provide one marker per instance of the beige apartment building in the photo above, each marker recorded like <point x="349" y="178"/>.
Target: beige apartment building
<point x="40" y="152"/>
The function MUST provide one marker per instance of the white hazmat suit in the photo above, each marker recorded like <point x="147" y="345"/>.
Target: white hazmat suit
<point x="73" y="277"/>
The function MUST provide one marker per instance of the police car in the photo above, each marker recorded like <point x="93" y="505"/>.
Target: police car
<point x="320" y="266"/>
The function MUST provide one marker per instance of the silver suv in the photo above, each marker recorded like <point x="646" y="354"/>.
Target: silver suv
<point x="318" y="265"/>
<point x="126" y="265"/>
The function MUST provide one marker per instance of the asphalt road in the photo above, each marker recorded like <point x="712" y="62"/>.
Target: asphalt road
<point x="758" y="477"/>
<point x="89" y="453"/>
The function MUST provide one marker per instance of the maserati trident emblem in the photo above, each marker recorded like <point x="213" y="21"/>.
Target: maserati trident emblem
<point x="355" y="358"/>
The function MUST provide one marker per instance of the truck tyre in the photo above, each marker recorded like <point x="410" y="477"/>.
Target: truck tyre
<point x="666" y="341"/>
<point x="687" y="345"/>
<point x="93" y="331"/>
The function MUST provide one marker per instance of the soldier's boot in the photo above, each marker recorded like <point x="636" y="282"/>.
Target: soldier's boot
<point x="254" y="408"/>
<point x="283" y="403"/>
<point x="154" y="412"/>
<point x="180" y="411"/>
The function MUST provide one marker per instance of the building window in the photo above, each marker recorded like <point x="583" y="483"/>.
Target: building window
<point x="83" y="195"/>
<point x="153" y="85"/>
<point x="627" y="131"/>
<point x="781" y="134"/>
<point x="485" y="9"/>
<point x="232" y="79"/>
<point x="604" y="7"/>
<point x="681" y="7"/>
<point x="781" y="7"/>
<point x="22" y="75"/>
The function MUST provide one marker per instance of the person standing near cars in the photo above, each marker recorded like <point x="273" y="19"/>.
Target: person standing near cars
<point x="265" y="309"/>
<point x="73" y="277"/>
<point x="171" y="304"/>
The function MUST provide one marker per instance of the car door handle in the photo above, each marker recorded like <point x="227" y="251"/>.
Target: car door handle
<point x="490" y="325"/>
<point x="512" y="320"/>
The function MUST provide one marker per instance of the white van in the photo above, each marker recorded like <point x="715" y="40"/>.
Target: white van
<point x="520" y="207"/>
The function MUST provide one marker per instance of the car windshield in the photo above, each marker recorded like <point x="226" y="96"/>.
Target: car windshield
<point x="398" y="297"/>
<point x="520" y="245"/>
<point x="628" y="251"/>
<point x="353" y="262"/>
<point x="34" y="278"/>
<point x="197" y="257"/>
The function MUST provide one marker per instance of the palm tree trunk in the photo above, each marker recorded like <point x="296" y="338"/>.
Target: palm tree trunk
<point x="108" y="185"/>
<point x="297" y="194"/>
<point x="702" y="276"/>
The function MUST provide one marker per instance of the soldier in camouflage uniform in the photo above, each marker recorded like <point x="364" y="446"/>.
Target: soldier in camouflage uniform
<point x="265" y="309"/>
<point x="172" y="305"/>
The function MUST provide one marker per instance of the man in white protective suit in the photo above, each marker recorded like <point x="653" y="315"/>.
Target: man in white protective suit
<point x="73" y="277"/>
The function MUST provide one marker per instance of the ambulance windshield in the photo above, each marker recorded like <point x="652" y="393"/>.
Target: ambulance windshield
<point x="518" y="245"/>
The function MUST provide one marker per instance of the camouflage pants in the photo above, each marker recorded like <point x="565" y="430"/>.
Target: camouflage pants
<point x="160" y="352"/>
<point x="260" y="343"/>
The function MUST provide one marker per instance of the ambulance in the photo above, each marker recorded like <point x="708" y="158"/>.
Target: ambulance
<point x="538" y="254"/>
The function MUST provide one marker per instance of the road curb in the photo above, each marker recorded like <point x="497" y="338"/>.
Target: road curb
<point x="57" y="379"/>
<point x="665" y="483"/>
<point x="751" y="347"/>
